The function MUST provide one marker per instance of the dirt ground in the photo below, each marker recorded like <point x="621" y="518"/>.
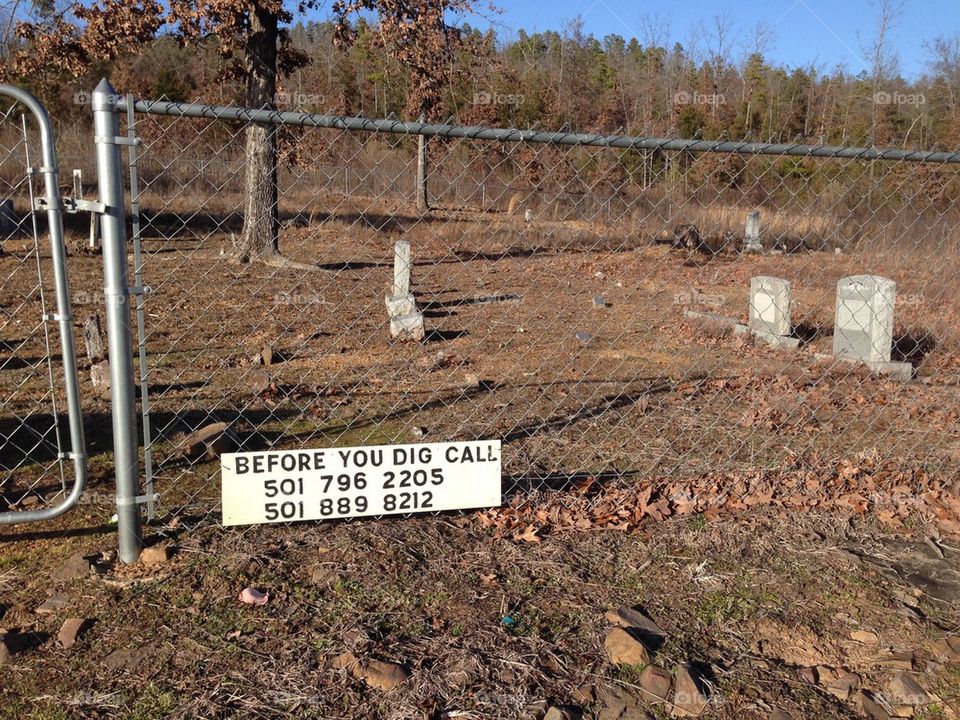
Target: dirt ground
<point x="789" y="524"/>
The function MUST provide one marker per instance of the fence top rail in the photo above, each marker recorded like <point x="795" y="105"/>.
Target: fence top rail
<point x="400" y="127"/>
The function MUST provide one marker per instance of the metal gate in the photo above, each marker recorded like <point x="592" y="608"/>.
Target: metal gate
<point x="43" y="469"/>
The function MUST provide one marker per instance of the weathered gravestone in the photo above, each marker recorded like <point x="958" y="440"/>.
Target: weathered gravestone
<point x="751" y="240"/>
<point x="863" y="328"/>
<point x="406" y="322"/>
<point x="770" y="306"/>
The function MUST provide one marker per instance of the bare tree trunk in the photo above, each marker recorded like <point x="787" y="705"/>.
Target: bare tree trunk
<point x="260" y="218"/>
<point x="422" y="203"/>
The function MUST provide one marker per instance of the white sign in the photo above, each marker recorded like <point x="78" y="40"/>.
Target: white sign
<point x="334" y="483"/>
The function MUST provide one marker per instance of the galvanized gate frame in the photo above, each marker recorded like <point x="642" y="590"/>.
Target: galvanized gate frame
<point x="53" y="205"/>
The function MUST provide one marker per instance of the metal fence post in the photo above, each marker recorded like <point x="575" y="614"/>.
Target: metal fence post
<point x="116" y="292"/>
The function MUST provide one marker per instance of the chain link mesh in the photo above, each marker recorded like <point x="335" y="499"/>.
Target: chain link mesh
<point x="32" y="431"/>
<point x="556" y="283"/>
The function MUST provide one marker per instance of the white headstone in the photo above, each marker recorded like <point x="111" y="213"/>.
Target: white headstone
<point x="752" y="232"/>
<point x="770" y="306"/>
<point x="863" y="329"/>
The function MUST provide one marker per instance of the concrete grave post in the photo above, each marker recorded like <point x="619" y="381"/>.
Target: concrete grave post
<point x="401" y="301"/>
<point x="863" y="327"/>
<point x="770" y="306"/>
<point x="402" y="266"/>
<point x="751" y="240"/>
<point x="406" y="322"/>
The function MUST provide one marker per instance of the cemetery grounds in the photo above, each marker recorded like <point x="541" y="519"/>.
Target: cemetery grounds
<point x="790" y="524"/>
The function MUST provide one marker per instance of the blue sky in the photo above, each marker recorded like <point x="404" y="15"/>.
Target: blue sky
<point x="824" y="32"/>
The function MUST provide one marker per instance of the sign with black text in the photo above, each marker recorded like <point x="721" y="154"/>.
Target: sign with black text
<point x="334" y="483"/>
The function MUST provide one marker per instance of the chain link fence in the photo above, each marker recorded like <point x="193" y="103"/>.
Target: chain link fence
<point x="580" y="298"/>
<point x="585" y="299"/>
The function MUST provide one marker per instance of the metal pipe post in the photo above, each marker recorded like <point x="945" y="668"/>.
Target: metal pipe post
<point x="116" y="290"/>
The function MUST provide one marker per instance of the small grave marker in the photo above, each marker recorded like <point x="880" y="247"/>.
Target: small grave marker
<point x="770" y="306"/>
<point x="751" y="241"/>
<point x="406" y="322"/>
<point x="402" y="265"/>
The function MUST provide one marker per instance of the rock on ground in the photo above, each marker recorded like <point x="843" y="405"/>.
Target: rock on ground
<point x="384" y="675"/>
<point x="618" y="704"/>
<point x="71" y="630"/>
<point x="54" y="603"/>
<point x="258" y="381"/>
<point x="625" y="649"/>
<point x="866" y="637"/>
<point x="689" y="698"/>
<point x="209" y="442"/>
<point x="129" y="658"/>
<point x="872" y="707"/>
<point x="156" y="554"/>
<point x="904" y="690"/>
<point x="562" y="713"/>
<point x="947" y="648"/>
<point x="631" y="617"/>
<point x="655" y="684"/>
<point x="844" y="686"/>
<point x="75" y="567"/>
<point x="345" y="661"/>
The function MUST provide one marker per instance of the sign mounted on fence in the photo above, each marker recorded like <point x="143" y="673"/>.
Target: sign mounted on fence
<point x="336" y="483"/>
